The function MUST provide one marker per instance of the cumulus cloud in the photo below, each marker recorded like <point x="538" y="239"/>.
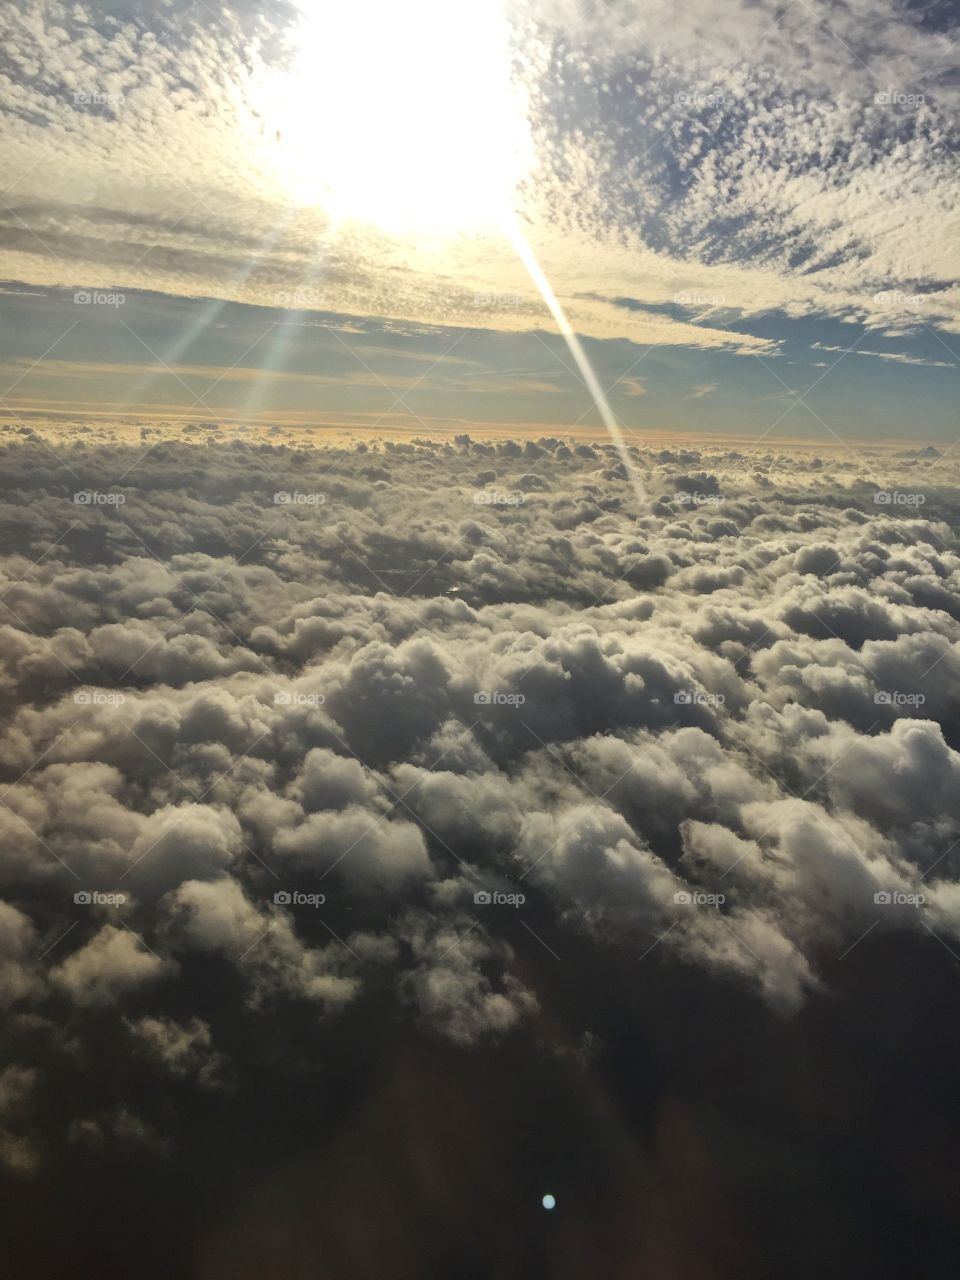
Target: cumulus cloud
<point x="448" y="986"/>
<point x="185" y="1050"/>
<point x="110" y="964"/>
<point x="18" y="947"/>
<point x="381" y="761"/>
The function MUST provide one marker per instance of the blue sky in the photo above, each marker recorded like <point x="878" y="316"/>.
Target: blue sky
<point x="826" y="379"/>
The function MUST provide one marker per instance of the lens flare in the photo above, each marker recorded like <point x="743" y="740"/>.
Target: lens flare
<point x="529" y="259"/>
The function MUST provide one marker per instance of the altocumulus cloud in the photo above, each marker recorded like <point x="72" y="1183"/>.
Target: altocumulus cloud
<point x="651" y="145"/>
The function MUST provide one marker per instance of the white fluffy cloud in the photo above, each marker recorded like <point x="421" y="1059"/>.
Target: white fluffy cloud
<point x="705" y="735"/>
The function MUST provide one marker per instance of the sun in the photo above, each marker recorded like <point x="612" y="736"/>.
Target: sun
<point x="405" y="116"/>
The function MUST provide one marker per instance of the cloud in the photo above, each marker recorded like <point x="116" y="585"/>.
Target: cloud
<point x="732" y="172"/>
<point x="894" y="357"/>
<point x="704" y="736"/>
<point x="450" y="989"/>
<point x="632" y="387"/>
<point x="18" y="947"/>
<point x="112" y="963"/>
<point x="18" y="1153"/>
<point x="459" y="791"/>
<point x="117" y="1127"/>
<point x="185" y="1050"/>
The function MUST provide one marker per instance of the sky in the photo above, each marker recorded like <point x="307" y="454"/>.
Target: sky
<point x="753" y="233"/>
<point x="479" y="640"/>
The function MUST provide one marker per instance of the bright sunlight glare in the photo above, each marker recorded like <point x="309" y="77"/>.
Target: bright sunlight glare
<point x="403" y="116"/>
<point x="407" y="117"/>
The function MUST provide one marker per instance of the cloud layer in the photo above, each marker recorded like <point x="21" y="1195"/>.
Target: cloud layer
<point x="435" y="743"/>
<point x="797" y="161"/>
